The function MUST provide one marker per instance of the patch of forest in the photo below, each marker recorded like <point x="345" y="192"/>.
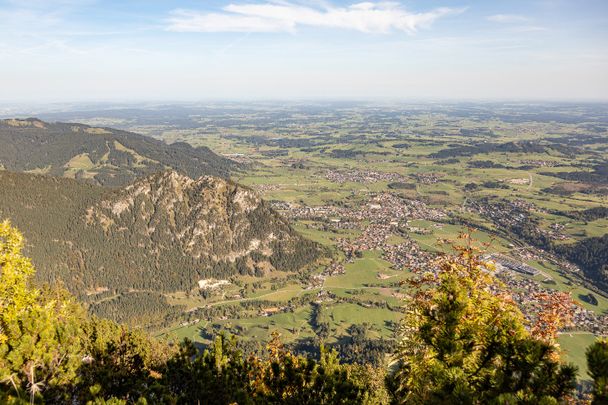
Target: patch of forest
<point x="104" y="156"/>
<point x="143" y="249"/>
<point x="590" y="214"/>
<point x="506" y="147"/>
<point x="597" y="175"/>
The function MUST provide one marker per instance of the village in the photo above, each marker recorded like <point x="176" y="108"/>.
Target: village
<point x="382" y="216"/>
<point x="361" y="176"/>
<point x="385" y="216"/>
<point x="526" y="293"/>
<point x="377" y="208"/>
<point x="515" y="215"/>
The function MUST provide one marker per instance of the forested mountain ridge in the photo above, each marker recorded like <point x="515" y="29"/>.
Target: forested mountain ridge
<point x="161" y="234"/>
<point x="208" y="220"/>
<point x="103" y="156"/>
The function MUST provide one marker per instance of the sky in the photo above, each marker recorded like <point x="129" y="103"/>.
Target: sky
<point x="185" y="50"/>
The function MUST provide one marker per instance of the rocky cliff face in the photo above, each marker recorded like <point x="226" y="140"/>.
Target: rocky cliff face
<point x="163" y="233"/>
<point x="207" y="219"/>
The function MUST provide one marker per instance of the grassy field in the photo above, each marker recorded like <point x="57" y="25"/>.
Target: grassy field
<point x="574" y="346"/>
<point x="297" y="174"/>
<point x="363" y="272"/>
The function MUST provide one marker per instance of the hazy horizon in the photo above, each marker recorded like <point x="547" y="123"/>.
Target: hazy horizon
<point x="185" y="51"/>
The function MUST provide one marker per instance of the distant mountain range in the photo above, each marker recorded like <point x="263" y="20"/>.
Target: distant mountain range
<point x="104" y="156"/>
<point x="130" y="244"/>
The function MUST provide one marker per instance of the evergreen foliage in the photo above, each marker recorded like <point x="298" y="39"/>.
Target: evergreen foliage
<point x="597" y="362"/>
<point x="223" y="375"/>
<point x="172" y="235"/>
<point x="592" y="255"/>
<point x="40" y="331"/>
<point x="462" y="342"/>
<point x="105" y="156"/>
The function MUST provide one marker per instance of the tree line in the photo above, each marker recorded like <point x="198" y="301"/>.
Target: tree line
<point x="461" y="341"/>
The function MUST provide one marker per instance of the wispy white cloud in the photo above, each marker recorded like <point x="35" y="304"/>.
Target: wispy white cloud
<point x="30" y="16"/>
<point x="529" y="28"/>
<point x="516" y="23"/>
<point x="507" y="18"/>
<point x="367" y="17"/>
<point x="22" y="19"/>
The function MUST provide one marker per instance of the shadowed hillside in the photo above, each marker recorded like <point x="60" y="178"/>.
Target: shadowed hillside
<point x="103" y="156"/>
<point x="161" y="234"/>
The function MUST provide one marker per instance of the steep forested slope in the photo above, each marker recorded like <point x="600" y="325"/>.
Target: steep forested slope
<point x="591" y="254"/>
<point x="162" y="233"/>
<point x="101" y="155"/>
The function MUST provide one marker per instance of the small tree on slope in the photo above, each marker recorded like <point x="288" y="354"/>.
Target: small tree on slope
<point x="464" y="342"/>
<point x="597" y="362"/>
<point x="40" y="331"/>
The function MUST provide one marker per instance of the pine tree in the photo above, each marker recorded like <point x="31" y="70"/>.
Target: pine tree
<point x="40" y="331"/>
<point x="597" y="362"/>
<point x="465" y="342"/>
